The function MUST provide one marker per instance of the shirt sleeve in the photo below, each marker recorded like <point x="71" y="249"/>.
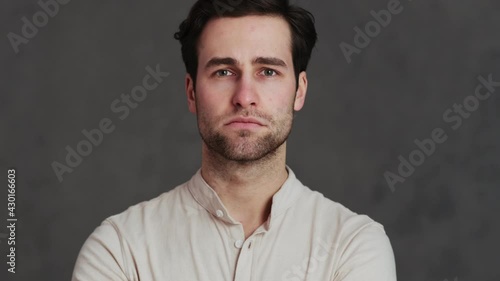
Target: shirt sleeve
<point x="101" y="256"/>
<point x="367" y="256"/>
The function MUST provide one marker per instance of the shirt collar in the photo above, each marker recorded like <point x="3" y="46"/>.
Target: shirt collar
<point x="210" y="200"/>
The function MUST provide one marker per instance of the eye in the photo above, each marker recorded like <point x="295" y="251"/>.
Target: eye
<point x="223" y="72"/>
<point x="269" y="72"/>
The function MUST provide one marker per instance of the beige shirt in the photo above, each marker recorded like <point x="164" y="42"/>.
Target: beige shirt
<point x="186" y="234"/>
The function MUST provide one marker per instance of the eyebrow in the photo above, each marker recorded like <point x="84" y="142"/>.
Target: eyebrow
<point x="216" y="61"/>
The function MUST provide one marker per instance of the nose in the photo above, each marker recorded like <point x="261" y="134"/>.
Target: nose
<point x="245" y="94"/>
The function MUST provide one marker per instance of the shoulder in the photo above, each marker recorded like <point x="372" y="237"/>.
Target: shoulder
<point x="312" y="203"/>
<point x="361" y="245"/>
<point x="108" y="252"/>
<point x="331" y="210"/>
<point x="333" y="219"/>
<point x="145" y="213"/>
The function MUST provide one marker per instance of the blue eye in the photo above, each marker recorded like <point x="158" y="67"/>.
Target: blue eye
<point x="269" y="72"/>
<point x="222" y="72"/>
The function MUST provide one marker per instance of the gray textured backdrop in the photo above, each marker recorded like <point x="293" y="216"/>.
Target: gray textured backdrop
<point x="359" y="117"/>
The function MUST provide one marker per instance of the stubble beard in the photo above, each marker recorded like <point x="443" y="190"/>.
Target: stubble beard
<point x="247" y="145"/>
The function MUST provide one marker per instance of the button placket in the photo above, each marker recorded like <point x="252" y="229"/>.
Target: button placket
<point x="244" y="264"/>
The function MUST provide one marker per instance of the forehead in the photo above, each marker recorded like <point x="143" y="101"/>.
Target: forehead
<point x="246" y="37"/>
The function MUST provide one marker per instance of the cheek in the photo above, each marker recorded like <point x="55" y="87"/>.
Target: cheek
<point x="209" y="106"/>
<point x="214" y="92"/>
<point x="281" y="100"/>
<point x="214" y="86"/>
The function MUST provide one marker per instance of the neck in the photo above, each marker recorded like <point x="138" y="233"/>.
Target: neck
<point x="245" y="188"/>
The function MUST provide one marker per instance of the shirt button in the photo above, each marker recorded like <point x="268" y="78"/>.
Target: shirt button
<point x="238" y="244"/>
<point x="219" y="213"/>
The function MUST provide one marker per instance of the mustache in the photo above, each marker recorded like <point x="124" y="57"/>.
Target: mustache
<point x="253" y="114"/>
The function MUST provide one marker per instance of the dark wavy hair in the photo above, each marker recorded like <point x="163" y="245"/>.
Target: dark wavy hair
<point x="301" y="24"/>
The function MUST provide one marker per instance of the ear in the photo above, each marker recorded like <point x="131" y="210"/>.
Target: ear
<point x="191" y="96"/>
<point x="300" y="95"/>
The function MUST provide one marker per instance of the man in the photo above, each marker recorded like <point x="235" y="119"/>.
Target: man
<point x="243" y="215"/>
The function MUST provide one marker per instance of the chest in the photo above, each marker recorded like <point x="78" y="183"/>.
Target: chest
<point x="219" y="254"/>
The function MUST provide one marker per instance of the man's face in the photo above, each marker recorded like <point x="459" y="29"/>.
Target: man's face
<point x="245" y="90"/>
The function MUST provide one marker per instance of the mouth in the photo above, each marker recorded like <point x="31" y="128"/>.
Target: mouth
<point x="242" y="120"/>
<point x="245" y="123"/>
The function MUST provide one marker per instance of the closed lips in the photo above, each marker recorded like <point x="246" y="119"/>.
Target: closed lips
<point x="245" y="120"/>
